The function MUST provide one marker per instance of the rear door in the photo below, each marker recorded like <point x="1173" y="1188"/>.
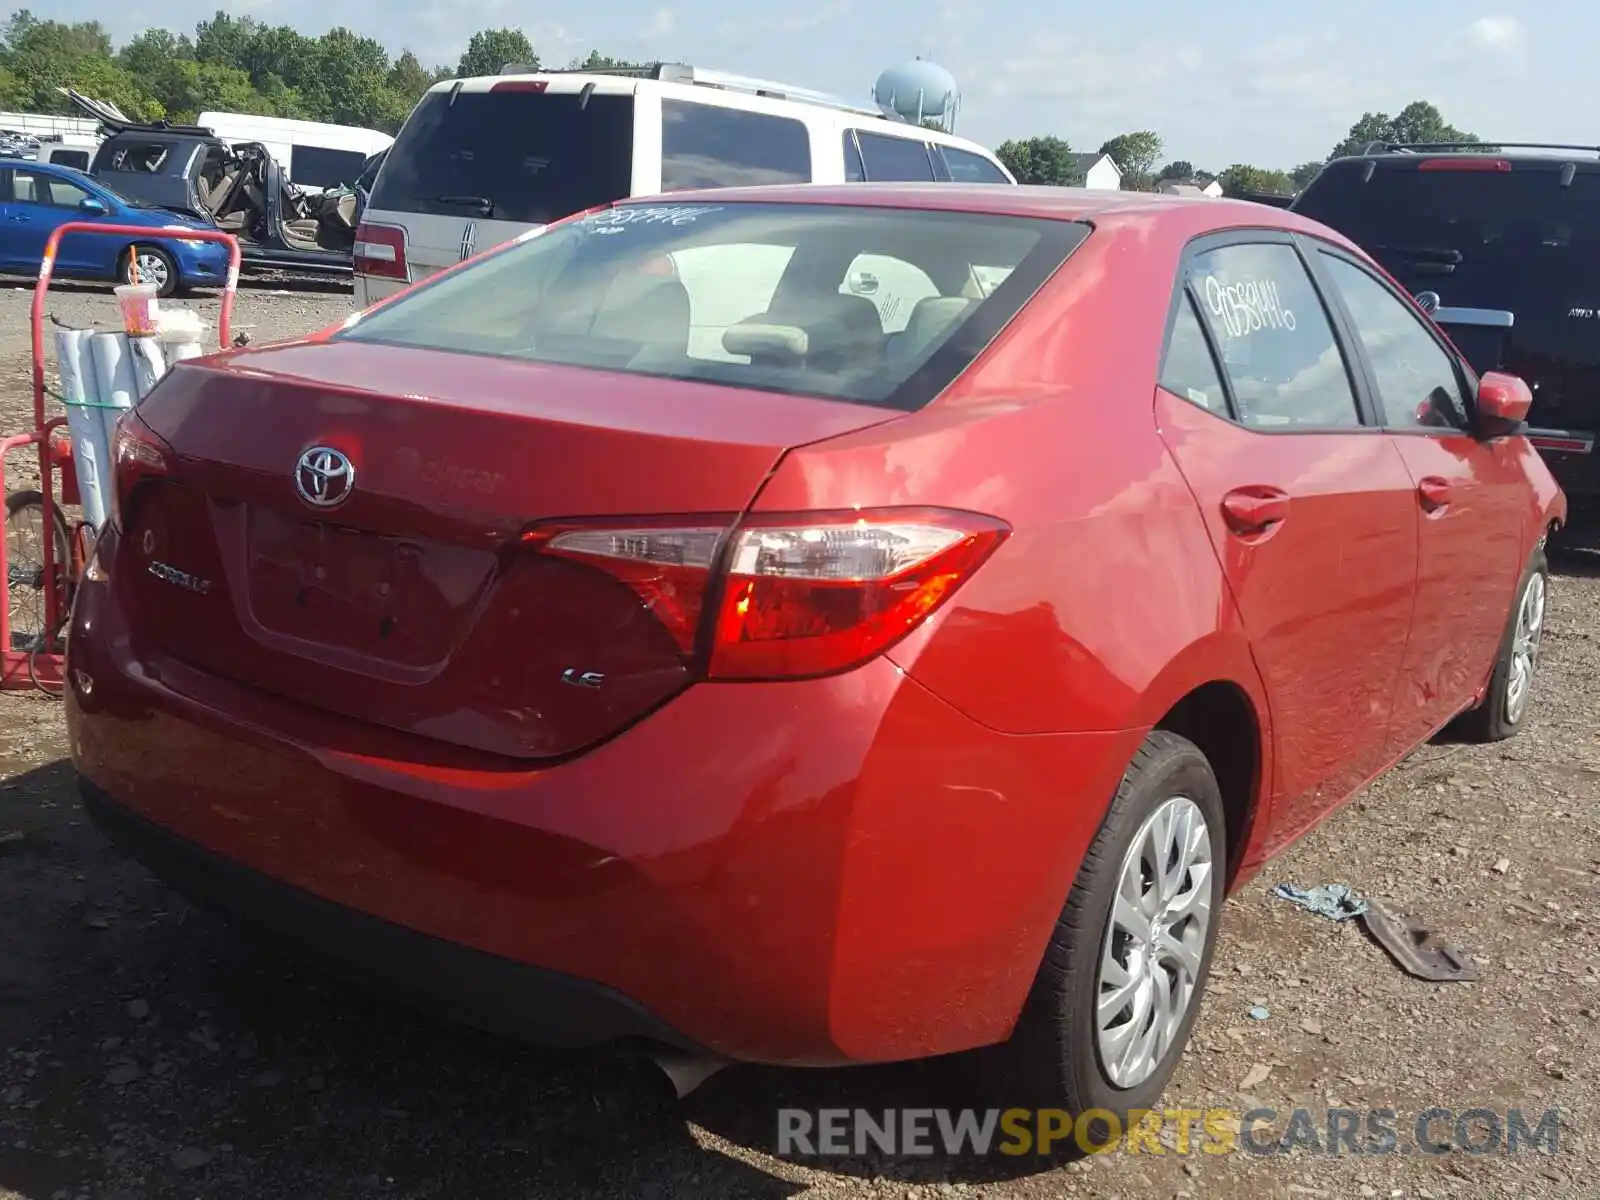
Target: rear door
<point x="39" y="203"/>
<point x="1509" y="250"/>
<point x="1310" y="509"/>
<point x="482" y="161"/>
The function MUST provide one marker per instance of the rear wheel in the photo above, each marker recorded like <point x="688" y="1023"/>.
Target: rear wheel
<point x="1120" y="985"/>
<point x="155" y="266"/>
<point x="25" y="567"/>
<point x="1504" y="710"/>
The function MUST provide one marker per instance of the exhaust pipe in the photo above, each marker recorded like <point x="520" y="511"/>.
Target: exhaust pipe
<point x="685" y="1072"/>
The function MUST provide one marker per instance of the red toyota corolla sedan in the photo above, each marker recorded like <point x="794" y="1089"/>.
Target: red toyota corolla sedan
<point x="809" y="625"/>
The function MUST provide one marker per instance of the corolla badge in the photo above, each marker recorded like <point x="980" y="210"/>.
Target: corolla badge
<point x="1428" y="302"/>
<point x="324" y="477"/>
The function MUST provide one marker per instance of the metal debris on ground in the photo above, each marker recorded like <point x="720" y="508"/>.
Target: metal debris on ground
<point x="1416" y="949"/>
<point x="1334" y="901"/>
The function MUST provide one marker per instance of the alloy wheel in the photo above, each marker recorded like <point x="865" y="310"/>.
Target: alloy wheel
<point x="1150" y="962"/>
<point x="1525" y="648"/>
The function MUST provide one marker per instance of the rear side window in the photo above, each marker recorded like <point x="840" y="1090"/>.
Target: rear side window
<point x="71" y="158"/>
<point x="139" y="157"/>
<point x="967" y="167"/>
<point x="703" y="146"/>
<point x="512" y="154"/>
<point x="1188" y="370"/>
<point x="855" y="170"/>
<point x="754" y="296"/>
<point x="319" y="167"/>
<point x="1276" y="341"/>
<point x="895" y="158"/>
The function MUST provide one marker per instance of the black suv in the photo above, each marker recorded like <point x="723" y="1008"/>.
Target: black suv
<point x="1501" y="244"/>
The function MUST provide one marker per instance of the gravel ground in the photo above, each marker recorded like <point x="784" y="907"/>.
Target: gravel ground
<point x="148" y="1051"/>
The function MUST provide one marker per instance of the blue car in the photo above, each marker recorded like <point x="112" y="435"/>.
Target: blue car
<point x="35" y="198"/>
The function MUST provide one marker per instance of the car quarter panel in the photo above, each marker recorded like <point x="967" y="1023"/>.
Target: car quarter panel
<point x="1106" y="604"/>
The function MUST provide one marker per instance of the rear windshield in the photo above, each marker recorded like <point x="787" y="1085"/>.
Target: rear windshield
<point x="509" y="155"/>
<point x="1483" y="215"/>
<point x="320" y="167"/>
<point x="876" y="306"/>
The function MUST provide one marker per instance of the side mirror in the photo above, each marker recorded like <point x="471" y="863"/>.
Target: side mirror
<point x="1503" y="404"/>
<point x="91" y="207"/>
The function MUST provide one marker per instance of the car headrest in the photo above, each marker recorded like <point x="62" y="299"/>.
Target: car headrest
<point x="931" y="318"/>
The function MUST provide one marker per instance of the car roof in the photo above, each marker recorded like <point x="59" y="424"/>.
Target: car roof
<point x="1195" y="213"/>
<point x="1412" y="154"/>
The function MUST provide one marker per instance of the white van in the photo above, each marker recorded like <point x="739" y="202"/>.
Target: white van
<point x="68" y="149"/>
<point x="482" y="160"/>
<point x="314" y="156"/>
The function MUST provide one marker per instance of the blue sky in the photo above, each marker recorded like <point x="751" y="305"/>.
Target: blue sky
<point x="1274" y="87"/>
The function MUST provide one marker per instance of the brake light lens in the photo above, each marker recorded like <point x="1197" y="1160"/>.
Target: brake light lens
<point x="808" y="596"/>
<point x="797" y="595"/>
<point x="380" y="251"/>
<point x="668" y="569"/>
<point x="1467" y="162"/>
<point x="137" y="455"/>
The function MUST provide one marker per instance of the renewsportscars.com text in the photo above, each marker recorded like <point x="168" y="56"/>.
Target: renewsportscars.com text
<point x="956" y="1133"/>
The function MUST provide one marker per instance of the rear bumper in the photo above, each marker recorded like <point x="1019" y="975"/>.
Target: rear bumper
<point x="1574" y="461"/>
<point x="822" y="872"/>
<point x="480" y="989"/>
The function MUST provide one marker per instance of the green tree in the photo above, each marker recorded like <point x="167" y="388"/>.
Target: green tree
<point x="408" y="78"/>
<point x="1241" y="178"/>
<point x="1136" y="154"/>
<point x="1304" y="174"/>
<point x="1418" y="121"/>
<point x="1047" y="160"/>
<point x="490" y="49"/>
<point x="595" y="61"/>
<point x="1180" y="170"/>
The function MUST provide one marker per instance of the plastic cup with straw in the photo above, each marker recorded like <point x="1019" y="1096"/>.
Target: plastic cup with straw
<point x="137" y="301"/>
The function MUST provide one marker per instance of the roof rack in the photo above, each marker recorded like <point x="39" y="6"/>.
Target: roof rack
<point x="724" y="80"/>
<point x="1473" y="147"/>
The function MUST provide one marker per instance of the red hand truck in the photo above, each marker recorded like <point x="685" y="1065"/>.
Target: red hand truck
<point x="42" y="664"/>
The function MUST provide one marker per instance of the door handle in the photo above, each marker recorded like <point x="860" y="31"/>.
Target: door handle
<point x="1254" y="510"/>
<point x="1433" y="493"/>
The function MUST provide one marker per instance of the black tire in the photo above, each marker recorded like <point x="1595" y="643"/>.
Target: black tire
<point x="1497" y="718"/>
<point x="169" y="285"/>
<point x="1053" y="1058"/>
<point x="27" y="630"/>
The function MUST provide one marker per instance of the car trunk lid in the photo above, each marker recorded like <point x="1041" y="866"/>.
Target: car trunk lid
<point x="411" y="601"/>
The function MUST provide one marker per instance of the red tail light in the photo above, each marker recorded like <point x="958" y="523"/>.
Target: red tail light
<point x="798" y="595"/>
<point x="380" y="251"/>
<point x="137" y="455"/>
<point x="1467" y="162"/>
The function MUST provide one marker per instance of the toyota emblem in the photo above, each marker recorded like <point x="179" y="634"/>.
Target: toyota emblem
<point x="324" y="477"/>
<point x="1428" y="302"/>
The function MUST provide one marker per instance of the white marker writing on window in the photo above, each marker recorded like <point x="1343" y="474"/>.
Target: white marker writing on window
<point x="1247" y="307"/>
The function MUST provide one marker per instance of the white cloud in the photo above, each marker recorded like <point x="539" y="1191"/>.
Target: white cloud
<point x="1499" y="35"/>
<point x="662" y="22"/>
<point x="1496" y="43"/>
<point x="1099" y="82"/>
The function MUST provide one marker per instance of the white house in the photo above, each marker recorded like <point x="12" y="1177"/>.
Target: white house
<point x="1173" y="187"/>
<point x="1100" y="172"/>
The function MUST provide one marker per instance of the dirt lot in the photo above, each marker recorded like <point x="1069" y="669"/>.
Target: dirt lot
<point x="147" y="1051"/>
